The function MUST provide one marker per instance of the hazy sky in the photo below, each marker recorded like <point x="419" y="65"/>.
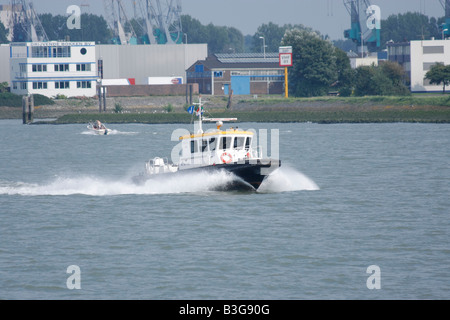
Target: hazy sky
<point x="327" y="16"/>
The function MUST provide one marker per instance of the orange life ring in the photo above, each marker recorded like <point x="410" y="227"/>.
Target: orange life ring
<point x="228" y="156"/>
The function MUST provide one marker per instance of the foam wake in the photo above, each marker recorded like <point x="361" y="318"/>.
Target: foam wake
<point x="283" y="179"/>
<point x="112" y="132"/>
<point x="286" y="179"/>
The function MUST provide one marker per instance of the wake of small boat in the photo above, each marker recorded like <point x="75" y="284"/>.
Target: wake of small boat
<point x="283" y="179"/>
<point x="111" y="132"/>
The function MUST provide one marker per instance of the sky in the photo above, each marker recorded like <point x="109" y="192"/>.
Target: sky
<point x="329" y="17"/>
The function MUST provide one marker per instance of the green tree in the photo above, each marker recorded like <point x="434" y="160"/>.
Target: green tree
<point x="345" y="73"/>
<point x="219" y="39"/>
<point x="93" y="28"/>
<point x="3" y="33"/>
<point x="314" y="63"/>
<point x="408" y="26"/>
<point x="439" y="73"/>
<point x="272" y="34"/>
<point x="385" y="79"/>
<point x="364" y="83"/>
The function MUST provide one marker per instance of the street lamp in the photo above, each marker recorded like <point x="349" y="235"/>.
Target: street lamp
<point x="264" y="46"/>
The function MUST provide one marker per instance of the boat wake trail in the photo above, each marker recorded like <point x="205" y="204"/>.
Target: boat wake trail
<point x="282" y="180"/>
<point x="97" y="186"/>
<point x="111" y="132"/>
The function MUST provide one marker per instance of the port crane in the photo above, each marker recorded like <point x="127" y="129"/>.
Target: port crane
<point x="365" y="24"/>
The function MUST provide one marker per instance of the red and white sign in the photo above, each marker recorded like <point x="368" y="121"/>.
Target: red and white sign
<point x="285" y="55"/>
<point x="285" y="59"/>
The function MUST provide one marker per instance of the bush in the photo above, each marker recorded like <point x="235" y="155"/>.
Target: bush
<point x="169" y="107"/>
<point x="39" y="100"/>
<point x="9" y="99"/>
<point x="118" y="108"/>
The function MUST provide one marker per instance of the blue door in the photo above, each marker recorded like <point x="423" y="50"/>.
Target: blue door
<point x="240" y="84"/>
<point x="226" y="89"/>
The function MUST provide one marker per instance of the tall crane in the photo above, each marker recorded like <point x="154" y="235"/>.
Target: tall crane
<point x="162" y="21"/>
<point x="118" y="22"/>
<point x="445" y="27"/>
<point x="26" y="25"/>
<point x="365" y="24"/>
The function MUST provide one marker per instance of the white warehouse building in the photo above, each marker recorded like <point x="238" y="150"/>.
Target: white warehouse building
<point x="70" y="68"/>
<point x="417" y="57"/>
<point x="53" y="68"/>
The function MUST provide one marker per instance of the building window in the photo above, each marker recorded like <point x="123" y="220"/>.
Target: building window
<point x="23" y="86"/>
<point x="427" y="65"/>
<point x="39" y="85"/>
<point x="62" y="85"/>
<point x="433" y="49"/>
<point x="14" y="85"/>
<point x="84" y="84"/>
<point x="84" y="67"/>
<point x="39" y="67"/>
<point x="218" y="74"/>
<point x="39" y="52"/>
<point x="62" y="67"/>
<point x="199" y="68"/>
<point x="50" y="52"/>
<point x="23" y="67"/>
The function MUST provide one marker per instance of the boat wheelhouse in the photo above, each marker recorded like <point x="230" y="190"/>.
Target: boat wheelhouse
<point x="217" y="149"/>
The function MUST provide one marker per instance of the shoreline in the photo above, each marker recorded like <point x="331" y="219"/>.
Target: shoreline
<point x="171" y="109"/>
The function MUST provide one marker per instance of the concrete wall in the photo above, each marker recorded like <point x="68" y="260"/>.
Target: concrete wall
<point x="4" y="63"/>
<point x="150" y="90"/>
<point x="144" y="61"/>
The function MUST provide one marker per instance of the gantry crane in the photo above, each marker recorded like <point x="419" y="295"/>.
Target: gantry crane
<point x="365" y="24"/>
<point x="445" y="27"/>
<point x="26" y="25"/>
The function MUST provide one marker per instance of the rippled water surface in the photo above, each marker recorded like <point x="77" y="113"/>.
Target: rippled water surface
<point x="347" y="197"/>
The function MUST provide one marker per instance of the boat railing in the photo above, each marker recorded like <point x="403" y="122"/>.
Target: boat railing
<point x="159" y="165"/>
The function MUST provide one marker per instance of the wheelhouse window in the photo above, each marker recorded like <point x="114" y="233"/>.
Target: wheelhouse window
<point x="204" y="145"/>
<point x="194" y="146"/>
<point x="248" y="143"/>
<point x="225" y="143"/>
<point x="212" y="144"/>
<point x="239" y="142"/>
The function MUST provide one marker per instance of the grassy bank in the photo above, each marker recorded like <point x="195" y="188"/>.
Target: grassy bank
<point x="433" y="108"/>
<point x="366" y="115"/>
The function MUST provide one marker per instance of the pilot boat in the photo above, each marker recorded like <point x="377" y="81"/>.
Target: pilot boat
<point x="216" y="149"/>
<point x="98" y="128"/>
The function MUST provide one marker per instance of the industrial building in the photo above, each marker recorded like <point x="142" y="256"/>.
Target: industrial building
<point x="53" y="68"/>
<point x="417" y="57"/>
<point x="70" y="68"/>
<point x="245" y="73"/>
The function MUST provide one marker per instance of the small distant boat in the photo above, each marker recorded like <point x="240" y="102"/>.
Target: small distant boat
<point x="98" y="128"/>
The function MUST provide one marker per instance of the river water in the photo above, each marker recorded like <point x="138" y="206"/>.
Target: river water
<point x="348" y="198"/>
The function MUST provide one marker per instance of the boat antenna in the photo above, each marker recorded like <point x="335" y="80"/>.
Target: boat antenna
<point x="199" y="114"/>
